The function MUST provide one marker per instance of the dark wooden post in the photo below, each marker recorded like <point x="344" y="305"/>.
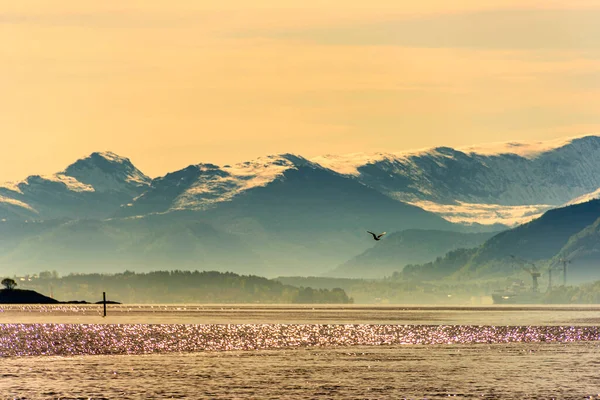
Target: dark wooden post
<point x="104" y="302"/>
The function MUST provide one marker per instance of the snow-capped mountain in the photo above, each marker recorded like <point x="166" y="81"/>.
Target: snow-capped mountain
<point x="92" y="187"/>
<point x="299" y="215"/>
<point x="202" y="186"/>
<point x="294" y="214"/>
<point x="502" y="183"/>
<point x="506" y="183"/>
<point x="108" y="172"/>
<point x="585" y="198"/>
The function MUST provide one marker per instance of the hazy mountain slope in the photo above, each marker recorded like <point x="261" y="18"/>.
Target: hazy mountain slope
<point x="12" y="232"/>
<point x="442" y="267"/>
<point x="333" y="202"/>
<point x="412" y="246"/>
<point x="297" y="215"/>
<point x="13" y="209"/>
<point x="583" y="250"/>
<point x="294" y="215"/>
<point x="92" y="187"/>
<point x="135" y="244"/>
<point x="287" y="215"/>
<point x="563" y="231"/>
<point x="309" y="219"/>
<point x="542" y="238"/>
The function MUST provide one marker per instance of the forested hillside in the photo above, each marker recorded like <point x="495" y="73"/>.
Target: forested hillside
<point x="178" y="287"/>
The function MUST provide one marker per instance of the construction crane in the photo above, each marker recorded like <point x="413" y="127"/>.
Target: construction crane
<point x="564" y="263"/>
<point x="533" y="271"/>
<point x="550" y="269"/>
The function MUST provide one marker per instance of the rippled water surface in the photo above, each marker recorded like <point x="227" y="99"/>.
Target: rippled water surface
<point x="194" y="351"/>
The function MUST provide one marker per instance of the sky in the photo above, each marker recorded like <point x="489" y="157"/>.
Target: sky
<point x="173" y="83"/>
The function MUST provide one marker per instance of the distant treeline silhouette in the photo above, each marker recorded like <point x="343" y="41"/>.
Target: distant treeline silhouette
<point x="588" y="293"/>
<point x="441" y="268"/>
<point x="181" y="287"/>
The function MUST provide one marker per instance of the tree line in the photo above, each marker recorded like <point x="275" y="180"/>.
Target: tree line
<point x="178" y="286"/>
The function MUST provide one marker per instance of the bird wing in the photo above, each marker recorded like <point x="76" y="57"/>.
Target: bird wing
<point x="381" y="234"/>
<point x="374" y="235"/>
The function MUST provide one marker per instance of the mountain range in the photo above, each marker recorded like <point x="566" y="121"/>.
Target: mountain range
<point x="568" y="233"/>
<point x="506" y="183"/>
<point x="92" y="187"/>
<point x="272" y="216"/>
<point x="285" y="214"/>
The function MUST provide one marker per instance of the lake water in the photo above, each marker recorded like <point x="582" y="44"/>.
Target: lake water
<point x="296" y="352"/>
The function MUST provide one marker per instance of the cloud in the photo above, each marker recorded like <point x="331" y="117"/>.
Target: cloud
<point x="301" y="78"/>
<point x="529" y="118"/>
<point x="105" y="19"/>
<point x="497" y="29"/>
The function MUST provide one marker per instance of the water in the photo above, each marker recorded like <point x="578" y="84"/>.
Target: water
<point x="224" y="351"/>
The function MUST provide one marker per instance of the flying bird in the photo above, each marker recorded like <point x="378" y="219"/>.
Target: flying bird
<point x="376" y="237"/>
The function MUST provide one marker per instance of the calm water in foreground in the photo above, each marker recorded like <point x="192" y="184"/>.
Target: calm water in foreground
<point x="273" y="352"/>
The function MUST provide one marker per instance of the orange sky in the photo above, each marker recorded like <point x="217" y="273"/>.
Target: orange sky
<point x="171" y="83"/>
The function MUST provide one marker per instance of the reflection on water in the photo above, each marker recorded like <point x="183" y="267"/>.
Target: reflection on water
<point x="482" y="371"/>
<point x="301" y="314"/>
<point x="83" y="339"/>
<point x="200" y="351"/>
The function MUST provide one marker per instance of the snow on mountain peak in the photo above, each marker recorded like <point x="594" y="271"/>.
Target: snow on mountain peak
<point x="217" y="184"/>
<point x="110" y="156"/>
<point x="260" y="171"/>
<point x="105" y="160"/>
<point x="584" y="198"/>
<point x="528" y="150"/>
<point x="17" y="203"/>
<point x="12" y="186"/>
<point x="69" y="182"/>
<point x="107" y="171"/>
<point x="461" y="183"/>
<point x="288" y="160"/>
<point x="348" y="164"/>
<point x="35" y="181"/>
<point x="206" y="167"/>
<point x="98" y="172"/>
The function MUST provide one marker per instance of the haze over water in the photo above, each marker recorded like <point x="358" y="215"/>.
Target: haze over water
<point x="258" y="351"/>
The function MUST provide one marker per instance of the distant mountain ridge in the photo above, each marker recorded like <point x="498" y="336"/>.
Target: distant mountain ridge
<point x="507" y="184"/>
<point x="552" y="175"/>
<point x="569" y="232"/>
<point x="283" y="214"/>
<point x="202" y="186"/>
<point x="308" y="218"/>
<point x="411" y="246"/>
<point x="582" y="252"/>
<point x="457" y="184"/>
<point x="92" y="187"/>
<point x="108" y="172"/>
